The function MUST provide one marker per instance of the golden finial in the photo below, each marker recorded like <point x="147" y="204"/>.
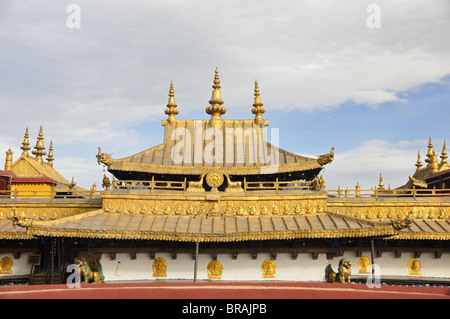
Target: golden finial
<point x="258" y="110"/>
<point x="172" y="111"/>
<point x="430" y="152"/>
<point x="216" y="109"/>
<point x="26" y="144"/>
<point x="9" y="160"/>
<point x="419" y="162"/>
<point x="39" y="152"/>
<point x="381" y="184"/>
<point x="50" y="157"/>
<point x="444" y="155"/>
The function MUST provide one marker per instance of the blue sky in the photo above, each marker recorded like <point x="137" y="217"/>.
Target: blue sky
<point x="326" y="78"/>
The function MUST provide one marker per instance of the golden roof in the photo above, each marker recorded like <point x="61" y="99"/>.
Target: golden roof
<point x="28" y="166"/>
<point x="107" y="225"/>
<point x="237" y="147"/>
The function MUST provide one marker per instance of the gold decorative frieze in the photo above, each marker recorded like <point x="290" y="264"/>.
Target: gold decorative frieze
<point x="227" y="206"/>
<point x="392" y="209"/>
<point x="45" y="211"/>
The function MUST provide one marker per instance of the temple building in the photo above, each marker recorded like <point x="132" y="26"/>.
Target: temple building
<point x="217" y="201"/>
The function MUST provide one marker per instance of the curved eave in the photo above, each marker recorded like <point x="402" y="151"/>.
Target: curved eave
<point x="8" y="231"/>
<point x="198" y="170"/>
<point x="102" y="225"/>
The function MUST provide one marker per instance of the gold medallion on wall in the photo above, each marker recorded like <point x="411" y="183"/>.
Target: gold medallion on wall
<point x="6" y="265"/>
<point x="214" y="269"/>
<point x="268" y="268"/>
<point x="414" y="267"/>
<point x="159" y="267"/>
<point x="363" y="265"/>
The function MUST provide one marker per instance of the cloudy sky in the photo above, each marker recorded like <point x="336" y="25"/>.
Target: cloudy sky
<point x="331" y="74"/>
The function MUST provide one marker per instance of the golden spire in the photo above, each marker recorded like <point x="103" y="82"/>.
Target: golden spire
<point x="258" y="110"/>
<point x="381" y="184"/>
<point x="39" y="148"/>
<point x="9" y="160"/>
<point x="444" y="155"/>
<point x="50" y="157"/>
<point x="26" y="144"/>
<point x="419" y="162"/>
<point x="216" y="109"/>
<point x="172" y="111"/>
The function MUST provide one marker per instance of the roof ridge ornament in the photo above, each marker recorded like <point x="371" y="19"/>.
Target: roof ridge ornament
<point x="258" y="110"/>
<point x="39" y="148"/>
<point x="50" y="157"/>
<point x="172" y="111"/>
<point x="26" y="143"/>
<point x="216" y="109"/>
<point x="419" y="162"/>
<point x="444" y="155"/>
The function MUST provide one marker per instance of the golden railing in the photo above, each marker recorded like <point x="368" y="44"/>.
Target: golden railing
<point x="46" y="194"/>
<point x="183" y="185"/>
<point x="150" y="185"/>
<point x="277" y="185"/>
<point x="377" y="192"/>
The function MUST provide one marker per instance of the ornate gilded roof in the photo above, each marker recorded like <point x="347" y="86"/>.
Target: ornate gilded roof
<point x="237" y="147"/>
<point x="240" y="152"/>
<point x="107" y="225"/>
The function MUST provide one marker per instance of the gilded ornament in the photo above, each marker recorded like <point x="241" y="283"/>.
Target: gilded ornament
<point x="252" y="210"/>
<point x="214" y="179"/>
<point x="156" y="209"/>
<point x="263" y="209"/>
<point x="286" y="208"/>
<point x="297" y="209"/>
<point x="167" y="210"/>
<point x="178" y="210"/>
<point x="6" y="265"/>
<point x="159" y="267"/>
<point x="143" y="209"/>
<point x="363" y="265"/>
<point x="274" y="209"/>
<point x="268" y="268"/>
<point x="108" y="207"/>
<point x="241" y="210"/>
<point x="309" y="208"/>
<point x="190" y="209"/>
<point x="132" y="209"/>
<point x="214" y="269"/>
<point x="414" y="267"/>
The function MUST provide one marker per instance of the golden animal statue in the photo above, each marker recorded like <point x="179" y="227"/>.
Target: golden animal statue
<point x="326" y="158"/>
<point x="106" y="183"/>
<point x="343" y="274"/>
<point x="87" y="270"/>
<point x="233" y="186"/>
<point x="104" y="158"/>
<point x="21" y="221"/>
<point x="196" y="186"/>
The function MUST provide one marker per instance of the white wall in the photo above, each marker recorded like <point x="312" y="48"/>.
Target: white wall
<point x="20" y="266"/>
<point x="244" y="268"/>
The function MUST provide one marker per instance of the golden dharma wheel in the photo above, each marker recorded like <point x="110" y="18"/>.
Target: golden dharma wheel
<point x="214" y="179"/>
